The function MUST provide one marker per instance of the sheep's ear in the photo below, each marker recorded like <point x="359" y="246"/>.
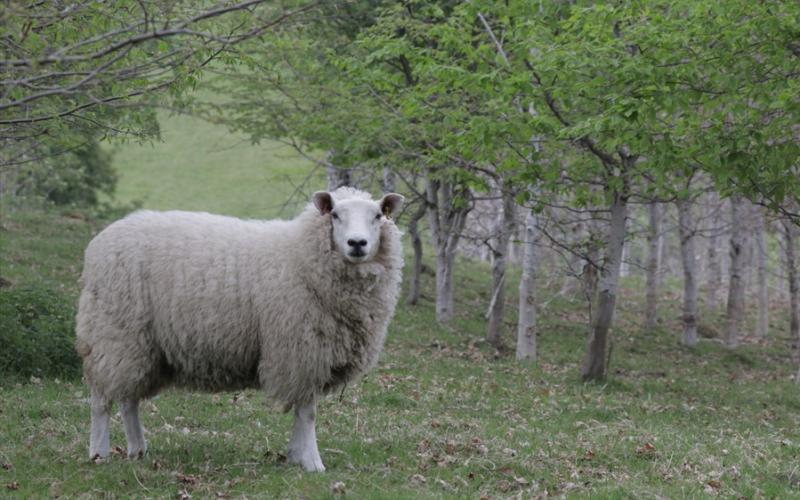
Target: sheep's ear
<point x="391" y="203"/>
<point x="323" y="201"/>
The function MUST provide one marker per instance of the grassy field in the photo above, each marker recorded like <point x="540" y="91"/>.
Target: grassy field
<point x="201" y="166"/>
<point x="442" y="416"/>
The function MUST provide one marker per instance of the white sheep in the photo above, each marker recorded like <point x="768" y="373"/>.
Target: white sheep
<point x="298" y="308"/>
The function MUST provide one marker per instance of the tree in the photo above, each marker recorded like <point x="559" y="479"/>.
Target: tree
<point x="72" y="73"/>
<point x="686" y="230"/>
<point x="526" y="328"/>
<point x="504" y="228"/>
<point x="654" y="237"/>
<point x="762" y="324"/>
<point x="735" y="308"/>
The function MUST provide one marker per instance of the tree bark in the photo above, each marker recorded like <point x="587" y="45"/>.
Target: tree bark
<point x="388" y="181"/>
<point x="714" y="281"/>
<point x="503" y="231"/>
<point x="624" y="265"/>
<point x="762" y="327"/>
<point x="337" y="176"/>
<point x="652" y="268"/>
<point x="735" y="309"/>
<point x="526" y="327"/>
<point x="594" y="364"/>
<point x="686" y="231"/>
<point x="416" y="244"/>
<point x="790" y="232"/>
<point x="447" y="216"/>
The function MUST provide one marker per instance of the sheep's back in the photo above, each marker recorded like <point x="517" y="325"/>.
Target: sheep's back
<point x="185" y="284"/>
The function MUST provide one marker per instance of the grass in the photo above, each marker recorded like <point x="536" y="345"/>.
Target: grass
<point x="442" y="416"/>
<point x="201" y="166"/>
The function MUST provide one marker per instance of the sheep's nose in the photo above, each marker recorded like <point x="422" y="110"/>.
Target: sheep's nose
<point x="357" y="243"/>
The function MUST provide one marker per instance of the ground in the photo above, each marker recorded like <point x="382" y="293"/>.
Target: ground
<point x="442" y="416"/>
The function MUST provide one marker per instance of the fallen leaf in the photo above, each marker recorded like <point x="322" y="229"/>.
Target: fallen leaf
<point x="646" y="449"/>
<point x="418" y="479"/>
<point x="338" y="488"/>
<point x="188" y="479"/>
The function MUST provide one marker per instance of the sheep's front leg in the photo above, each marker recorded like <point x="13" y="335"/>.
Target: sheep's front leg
<point x="303" y="445"/>
<point x="98" y="435"/>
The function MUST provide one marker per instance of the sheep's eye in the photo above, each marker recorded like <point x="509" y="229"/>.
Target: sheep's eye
<point x="378" y="217"/>
<point x="335" y="215"/>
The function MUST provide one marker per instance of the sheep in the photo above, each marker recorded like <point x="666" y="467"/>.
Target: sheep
<point x="297" y="308"/>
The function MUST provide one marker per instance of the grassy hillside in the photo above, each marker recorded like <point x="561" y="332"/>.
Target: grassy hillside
<point x="201" y="166"/>
<point x="442" y="416"/>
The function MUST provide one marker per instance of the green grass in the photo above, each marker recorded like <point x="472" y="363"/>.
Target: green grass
<point x="442" y="416"/>
<point x="201" y="166"/>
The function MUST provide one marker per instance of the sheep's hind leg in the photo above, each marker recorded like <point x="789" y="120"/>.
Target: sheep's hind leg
<point x="303" y="444"/>
<point x="98" y="435"/>
<point x="134" y="432"/>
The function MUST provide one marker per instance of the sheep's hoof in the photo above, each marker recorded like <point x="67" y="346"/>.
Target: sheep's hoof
<point x="137" y="454"/>
<point x="311" y="462"/>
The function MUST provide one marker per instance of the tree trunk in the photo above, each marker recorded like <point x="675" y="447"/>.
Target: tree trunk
<point x="447" y="216"/>
<point x="686" y="232"/>
<point x="337" y="176"/>
<point x="762" y="327"/>
<point x="624" y="265"/>
<point x="735" y="309"/>
<point x="594" y="365"/>
<point x="651" y="295"/>
<point x="503" y="231"/>
<point x="388" y="181"/>
<point x="714" y="281"/>
<point x="416" y="243"/>
<point x="445" y="261"/>
<point x="790" y="232"/>
<point x="526" y="327"/>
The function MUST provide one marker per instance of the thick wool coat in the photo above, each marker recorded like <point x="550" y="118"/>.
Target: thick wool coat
<point x="215" y="303"/>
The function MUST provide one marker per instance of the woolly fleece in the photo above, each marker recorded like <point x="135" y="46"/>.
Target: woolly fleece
<point x="216" y="303"/>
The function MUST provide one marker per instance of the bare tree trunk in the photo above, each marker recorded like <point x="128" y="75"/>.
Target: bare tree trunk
<point x="416" y="243"/>
<point x="526" y="328"/>
<point x="686" y="231"/>
<point x="447" y="216"/>
<point x="388" y="181"/>
<point x="651" y="295"/>
<point x="594" y="365"/>
<point x="503" y="230"/>
<point x="624" y="265"/>
<point x="790" y="232"/>
<point x="735" y="309"/>
<point x="762" y="327"/>
<point x="714" y="281"/>
<point x="337" y="176"/>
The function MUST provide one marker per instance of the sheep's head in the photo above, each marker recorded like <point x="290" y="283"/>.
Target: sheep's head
<point x="357" y="222"/>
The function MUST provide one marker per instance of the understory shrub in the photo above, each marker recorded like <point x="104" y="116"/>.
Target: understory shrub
<point x="37" y="333"/>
